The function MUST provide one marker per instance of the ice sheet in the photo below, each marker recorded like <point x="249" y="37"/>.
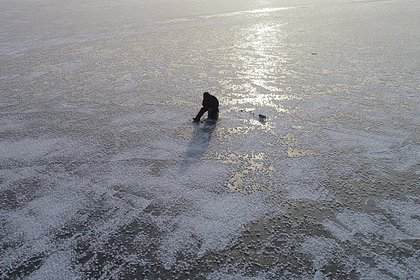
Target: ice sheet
<point x="103" y="175"/>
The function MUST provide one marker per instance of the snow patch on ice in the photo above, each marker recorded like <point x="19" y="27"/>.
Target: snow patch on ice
<point x="367" y="272"/>
<point x="339" y="231"/>
<point x="11" y="124"/>
<point x="233" y="273"/>
<point x="375" y="146"/>
<point x="295" y="177"/>
<point x="211" y="223"/>
<point x="405" y="213"/>
<point x="156" y="150"/>
<point x="27" y="149"/>
<point x="12" y="175"/>
<point x="409" y="157"/>
<point x="311" y="192"/>
<point x="35" y="220"/>
<point x="351" y="223"/>
<point x="38" y="148"/>
<point x="321" y="249"/>
<point x="58" y="265"/>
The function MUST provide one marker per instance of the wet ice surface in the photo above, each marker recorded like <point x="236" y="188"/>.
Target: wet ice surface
<point x="104" y="176"/>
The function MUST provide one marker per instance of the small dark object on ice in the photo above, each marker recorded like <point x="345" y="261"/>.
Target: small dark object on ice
<point x="262" y="118"/>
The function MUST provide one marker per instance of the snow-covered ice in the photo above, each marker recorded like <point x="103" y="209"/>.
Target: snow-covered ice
<point x="103" y="174"/>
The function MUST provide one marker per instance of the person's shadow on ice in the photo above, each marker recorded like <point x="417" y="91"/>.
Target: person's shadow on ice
<point x="197" y="146"/>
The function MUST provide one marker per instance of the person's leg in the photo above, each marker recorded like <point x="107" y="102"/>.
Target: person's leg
<point x="213" y="114"/>
<point x="200" y="114"/>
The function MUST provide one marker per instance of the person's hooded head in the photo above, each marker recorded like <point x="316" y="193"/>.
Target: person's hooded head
<point x="206" y="94"/>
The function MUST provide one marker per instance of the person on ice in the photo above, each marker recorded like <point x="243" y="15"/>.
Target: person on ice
<point x="210" y="105"/>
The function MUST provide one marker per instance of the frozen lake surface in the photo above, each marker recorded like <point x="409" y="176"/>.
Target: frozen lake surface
<point x="103" y="174"/>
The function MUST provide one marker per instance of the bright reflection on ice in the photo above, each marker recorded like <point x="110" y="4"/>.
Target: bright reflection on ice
<point x="266" y="100"/>
<point x="253" y="175"/>
<point x="293" y="149"/>
<point x="260" y="63"/>
<point x="256" y="11"/>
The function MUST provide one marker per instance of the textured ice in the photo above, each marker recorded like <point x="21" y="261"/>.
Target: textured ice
<point x="214" y="220"/>
<point x="104" y="176"/>
<point x="57" y="264"/>
<point x="364" y="224"/>
<point x="405" y="213"/>
<point x="321" y="249"/>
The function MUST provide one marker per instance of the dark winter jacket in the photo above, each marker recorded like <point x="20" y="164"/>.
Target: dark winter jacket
<point x="210" y="101"/>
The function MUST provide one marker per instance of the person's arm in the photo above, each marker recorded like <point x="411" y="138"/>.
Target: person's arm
<point x="206" y="103"/>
